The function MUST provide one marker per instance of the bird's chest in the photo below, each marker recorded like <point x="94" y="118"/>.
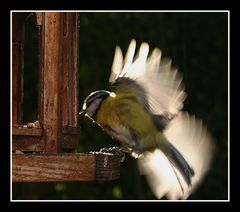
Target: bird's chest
<point x="127" y="123"/>
<point x="110" y="122"/>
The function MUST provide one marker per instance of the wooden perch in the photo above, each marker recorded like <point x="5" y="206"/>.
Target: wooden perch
<point x="65" y="167"/>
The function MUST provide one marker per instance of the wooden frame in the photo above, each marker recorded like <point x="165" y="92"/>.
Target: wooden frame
<point x="44" y="145"/>
<point x="58" y="83"/>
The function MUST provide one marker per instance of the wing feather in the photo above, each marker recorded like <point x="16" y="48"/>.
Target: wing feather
<point x="117" y="65"/>
<point x="162" y="83"/>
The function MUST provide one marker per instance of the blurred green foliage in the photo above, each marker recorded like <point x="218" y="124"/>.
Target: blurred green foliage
<point x="198" y="45"/>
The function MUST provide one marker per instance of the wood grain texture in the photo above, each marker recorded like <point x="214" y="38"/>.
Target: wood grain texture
<point x="19" y="130"/>
<point x="69" y="62"/>
<point x="34" y="143"/>
<point x="70" y="130"/>
<point x="69" y="142"/>
<point x="107" y="167"/>
<point x="58" y="89"/>
<point x="65" y="167"/>
<point x="52" y="73"/>
<point x="27" y="143"/>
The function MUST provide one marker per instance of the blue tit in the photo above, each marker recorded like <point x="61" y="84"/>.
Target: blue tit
<point x="143" y="112"/>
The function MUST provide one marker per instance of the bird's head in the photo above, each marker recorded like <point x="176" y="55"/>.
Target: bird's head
<point x="93" y="102"/>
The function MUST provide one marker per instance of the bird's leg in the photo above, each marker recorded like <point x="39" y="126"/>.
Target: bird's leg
<point x="126" y="149"/>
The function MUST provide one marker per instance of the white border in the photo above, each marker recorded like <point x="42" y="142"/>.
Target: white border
<point x="148" y="11"/>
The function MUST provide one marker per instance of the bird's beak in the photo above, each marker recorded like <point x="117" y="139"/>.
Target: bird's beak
<point x="82" y="112"/>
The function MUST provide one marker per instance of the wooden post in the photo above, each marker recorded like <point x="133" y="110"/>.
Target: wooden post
<point x="69" y="90"/>
<point x="51" y="80"/>
<point x="70" y="70"/>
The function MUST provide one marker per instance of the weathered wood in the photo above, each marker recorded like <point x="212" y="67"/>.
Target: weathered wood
<point x="69" y="61"/>
<point x="69" y="85"/>
<point x="27" y="143"/>
<point x="57" y="80"/>
<point x="107" y="167"/>
<point x="71" y="130"/>
<point x="35" y="143"/>
<point x="52" y="74"/>
<point x="53" y="168"/>
<point x="57" y="108"/>
<point x="69" y="141"/>
<point x="70" y="137"/>
<point x="29" y="139"/>
<point x="20" y="130"/>
<point x="65" y="65"/>
<point x="73" y="42"/>
<point x="64" y="167"/>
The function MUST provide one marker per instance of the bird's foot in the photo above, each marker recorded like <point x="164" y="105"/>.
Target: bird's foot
<point x="116" y="150"/>
<point x="136" y="155"/>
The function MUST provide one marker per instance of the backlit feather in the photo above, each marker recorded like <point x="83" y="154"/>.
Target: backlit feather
<point x="162" y="83"/>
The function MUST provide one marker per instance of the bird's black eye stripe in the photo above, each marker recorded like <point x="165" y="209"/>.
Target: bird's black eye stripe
<point x="98" y="95"/>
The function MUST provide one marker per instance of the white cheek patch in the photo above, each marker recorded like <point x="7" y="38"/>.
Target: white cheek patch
<point x="89" y="117"/>
<point x="112" y="94"/>
<point x="84" y="106"/>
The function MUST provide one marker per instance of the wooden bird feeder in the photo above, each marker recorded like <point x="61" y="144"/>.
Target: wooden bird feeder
<point x="46" y="150"/>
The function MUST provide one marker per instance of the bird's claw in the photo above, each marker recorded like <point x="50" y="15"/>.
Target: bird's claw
<point x="116" y="150"/>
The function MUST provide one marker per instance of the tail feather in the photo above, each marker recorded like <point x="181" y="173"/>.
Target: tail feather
<point x="180" y="163"/>
<point x="178" y="170"/>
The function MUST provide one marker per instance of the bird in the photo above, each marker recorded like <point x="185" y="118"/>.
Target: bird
<point x="144" y="112"/>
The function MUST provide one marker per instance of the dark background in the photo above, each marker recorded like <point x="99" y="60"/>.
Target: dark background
<point x="198" y="45"/>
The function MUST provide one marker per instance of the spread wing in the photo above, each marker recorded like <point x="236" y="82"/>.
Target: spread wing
<point x="161" y="83"/>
